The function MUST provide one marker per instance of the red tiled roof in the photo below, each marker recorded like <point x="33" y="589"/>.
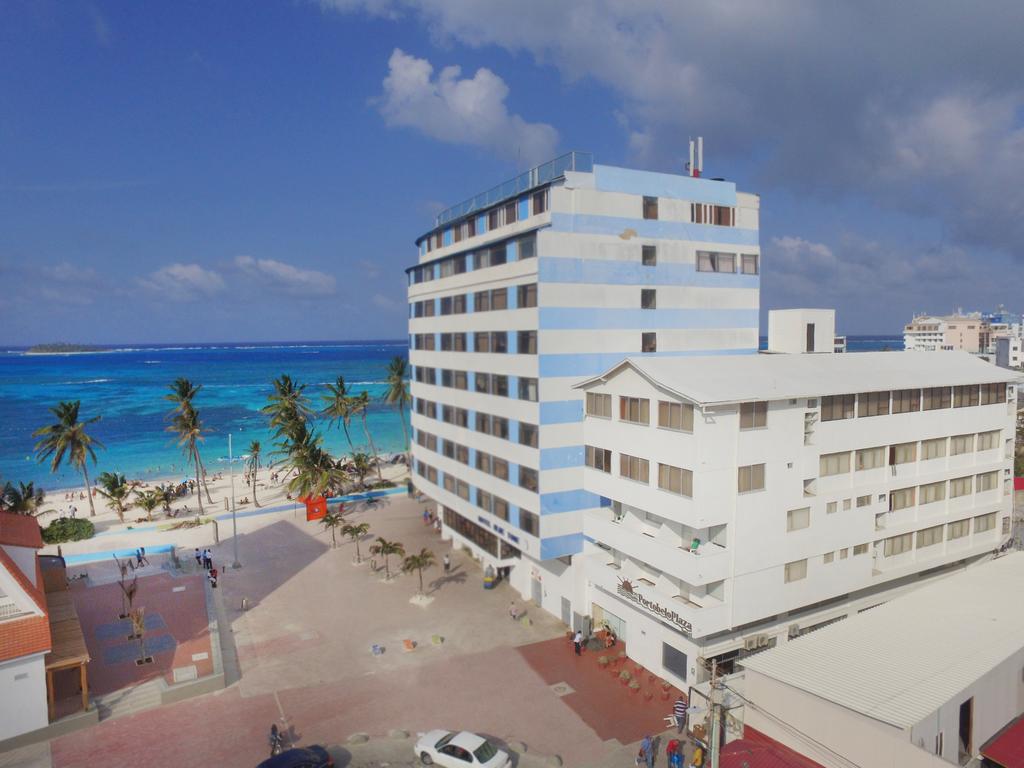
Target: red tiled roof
<point x="20" y="531"/>
<point x="31" y="634"/>
<point x="1006" y="748"/>
<point x="755" y="750"/>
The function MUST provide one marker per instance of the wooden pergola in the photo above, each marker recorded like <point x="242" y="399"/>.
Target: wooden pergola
<point x="68" y="648"/>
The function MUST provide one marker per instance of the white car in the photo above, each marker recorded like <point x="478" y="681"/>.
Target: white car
<point x="459" y="750"/>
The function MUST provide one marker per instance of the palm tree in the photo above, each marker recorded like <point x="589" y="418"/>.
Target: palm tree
<point x="356" y="531"/>
<point x="397" y="394"/>
<point x="386" y="549"/>
<point x="287" y="404"/>
<point x="185" y="422"/>
<point x="252" y="466"/>
<point x="333" y="521"/>
<point x="362" y="405"/>
<point x="149" y="500"/>
<point x="418" y="563"/>
<point x="115" y="487"/>
<point x="67" y="437"/>
<point x="339" y="406"/>
<point x="23" y="499"/>
<point x="166" y="495"/>
<point x="316" y="473"/>
<point x="360" y="464"/>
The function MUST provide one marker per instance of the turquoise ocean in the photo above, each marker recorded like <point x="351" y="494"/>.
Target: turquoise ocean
<point x="126" y="386"/>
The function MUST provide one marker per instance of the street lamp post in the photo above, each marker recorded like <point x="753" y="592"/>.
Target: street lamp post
<point x="234" y="520"/>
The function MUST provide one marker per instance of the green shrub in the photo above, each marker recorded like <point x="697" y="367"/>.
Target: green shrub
<point x="380" y="484"/>
<point x="68" y="529"/>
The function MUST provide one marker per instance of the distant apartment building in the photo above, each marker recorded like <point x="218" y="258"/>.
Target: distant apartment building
<point x="521" y="292"/>
<point x="975" y="332"/>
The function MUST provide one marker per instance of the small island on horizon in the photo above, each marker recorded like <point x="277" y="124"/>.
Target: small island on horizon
<point x="62" y="348"/>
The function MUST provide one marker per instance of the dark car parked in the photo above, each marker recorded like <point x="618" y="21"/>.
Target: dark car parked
<point x="300" y="757"/>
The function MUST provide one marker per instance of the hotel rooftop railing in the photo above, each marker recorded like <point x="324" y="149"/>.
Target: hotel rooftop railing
<point x="542" y="174"/>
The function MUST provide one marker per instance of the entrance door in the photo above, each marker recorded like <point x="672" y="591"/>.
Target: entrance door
<point x="603" y="616"/>
<point x="966" y="727"/>
<point x="566" y="611"/>
<point x="536" y="592"/>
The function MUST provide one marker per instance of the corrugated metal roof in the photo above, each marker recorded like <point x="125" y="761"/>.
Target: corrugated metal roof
<point x="708" y="380"/>
<point x="901" y="661"/>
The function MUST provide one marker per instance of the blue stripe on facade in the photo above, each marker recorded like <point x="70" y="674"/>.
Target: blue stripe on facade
<point x="553" y="269"/>
<point x="586" y="318"/>
<point x="593" y="363"/>
<point x="561" y="458"/>
<point x="513" y="474"/>
<point x="524" y="208"/>
<point x="513" y="429"/>
<point x="560" y="546"/>
<point x="592" y="224"/>
<point x="561" y="411"/>
<point x="611" y="179"/>
<point x="568" y="501"/>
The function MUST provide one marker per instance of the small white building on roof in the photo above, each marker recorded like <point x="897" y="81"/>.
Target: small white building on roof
<point x="934" y="673"/>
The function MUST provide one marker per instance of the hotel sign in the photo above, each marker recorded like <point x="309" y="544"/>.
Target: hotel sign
<point x="626" y="590"/>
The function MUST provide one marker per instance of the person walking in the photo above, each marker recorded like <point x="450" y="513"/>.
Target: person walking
<point x="647" y="751"/>
<point x="679" y="713"/>
<point x="447" y="564"/>
<point x="697" y="760"/>
<point x="199" y="558"/>
<point x="577" y="642"/>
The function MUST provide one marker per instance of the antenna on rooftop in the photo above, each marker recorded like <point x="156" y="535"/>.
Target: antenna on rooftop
<point x="696" y="164"/>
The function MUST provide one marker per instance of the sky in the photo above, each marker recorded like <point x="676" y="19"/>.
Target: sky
<point x="212" y="171"/>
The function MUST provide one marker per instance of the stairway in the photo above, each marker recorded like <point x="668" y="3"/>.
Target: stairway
<point x="129" y="701"/>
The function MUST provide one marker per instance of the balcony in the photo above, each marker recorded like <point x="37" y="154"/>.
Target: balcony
<point x="710" y="564"/>
<point x="695" y="616"/>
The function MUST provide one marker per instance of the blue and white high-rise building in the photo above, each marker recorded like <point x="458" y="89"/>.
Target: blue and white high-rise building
<point x="523" y="291"/>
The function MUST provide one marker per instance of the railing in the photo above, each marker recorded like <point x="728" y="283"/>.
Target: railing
<point x="542" y="174"/>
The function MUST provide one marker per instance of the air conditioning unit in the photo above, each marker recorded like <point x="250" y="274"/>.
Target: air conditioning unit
<point x="763" y="640"/>
<point x="750" y="643"/>
<point x="794" y="631"/>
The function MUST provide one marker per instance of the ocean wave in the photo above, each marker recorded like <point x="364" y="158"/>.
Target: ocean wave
<point x="152" y="362"/>
<point x="85" y="381"/>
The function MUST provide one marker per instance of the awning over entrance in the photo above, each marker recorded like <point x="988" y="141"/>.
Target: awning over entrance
<point x="1006" y="748"/>
<point x="68" y="644"/>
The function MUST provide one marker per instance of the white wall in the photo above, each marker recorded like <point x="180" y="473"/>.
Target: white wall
<point x="787" y="330"/>
<point x="23" y="705"/>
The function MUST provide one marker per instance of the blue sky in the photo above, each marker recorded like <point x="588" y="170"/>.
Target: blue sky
<point x="212" y="171"/>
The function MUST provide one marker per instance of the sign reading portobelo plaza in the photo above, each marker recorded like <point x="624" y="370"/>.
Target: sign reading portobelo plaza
<point x="626" y="589"/>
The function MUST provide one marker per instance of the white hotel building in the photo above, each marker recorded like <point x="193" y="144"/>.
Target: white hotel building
<point x="650" y="283"/>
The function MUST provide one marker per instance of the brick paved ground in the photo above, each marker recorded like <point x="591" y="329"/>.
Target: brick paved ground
<point x="304" y="651"/>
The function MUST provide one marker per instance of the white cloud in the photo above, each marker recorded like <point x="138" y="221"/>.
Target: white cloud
<point x="100" y="27"/>
<point x="384" y="302"/>
<point x="460" y="110"/>
<point x="184" y="282"/>
<point x="285" y="277"/>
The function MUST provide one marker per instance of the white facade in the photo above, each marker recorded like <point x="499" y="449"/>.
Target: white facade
<point x="916" y="682"/>
<point x="799" y="331"/>
<point x="731" y="571"/>
<point x="597" y="264"/>
<point x="23" y="705"/>
<point x="1009" y="353"/>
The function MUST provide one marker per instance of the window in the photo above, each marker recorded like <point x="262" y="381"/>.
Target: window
<point x="528" y="389"/>
<point x="828" y="557"/>
<point x="649" y="255"/>
<point x="650" y="207"/>
<point x="526" y="343"/>
<point x="864" y="501"/>
<point x="599" y="458"/>
<point x="424" y="308"/>
<point x="933" y="492"/>
<point x="528" y="434"/>
<point x="426" y="375"/>
<point x="482" y="301"/>
<point x="897" y="545"/>
<point x="499" y="468"/>
<point x="453" y="305"/>
<point x="960" y="444"/>
<point x="832" y="507"/>
<point x="674" y="661"/>
<point x="493" y="219"/>
<point x="965" y="396"/>
<point x="749" y="263"/>
<point x="751" y="478"/>
<point x="648" y="342"/>
<point x="452" y="415"/>
<point x="929" y="536"/>
<point x="903" y="453"/>
<point x="798" y="519"/>
<point x="454" y="379"/>
<point x="936" y="397"/>
<point x="988" y="441"/>
<point x="526" y="296"/>
<point x="958" y="530"/>
<point x="860" y="549"/>
<point x="714" y="261"/>
<point x="901" y="499"/>
<point x="753" y="415"/>
<point x="634" y="468"/>
<point x="453" y="342"/>
<point x="648" y="298"/>
<point x="795" y="571"/>
<point x="836" y="407"/>
<point x="423" y="341"/>
<point x="529" y="522"/>
<point x="528" y="479"/>
<point x="510" y="212"/>
<point x="527" y="247"/>
<point x="870" y="458"/>
<point x="636" y="410"/>
<point x="484" y="500"/>
<point x="961" y="486"/>
<point x="834" y="464"/>
<point x="453" y="266"/>
<point x="906" y="400"/>
<point x="844" y="553"/>
<point x="675" y="416"/>
<point x="675" y="480"/>
<point x="599" y="405"/>
<point x="499" y="508"/>
<point x="988" y="481"/>
<point x="540" y="201"/>
<point x="984" y="523"/>
<point x="873" y="404"/>
<point x="933" y="449"/>
<point x="993" y="393"/>
<point x="846" y="504"/>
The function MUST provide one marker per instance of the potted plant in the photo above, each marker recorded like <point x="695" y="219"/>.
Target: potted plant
<point x="602" y="662"/>
<point x="625" y="677"/>
<point x="634" y="686"/>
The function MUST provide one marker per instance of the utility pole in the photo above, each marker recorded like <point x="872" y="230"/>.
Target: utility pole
<point x="234" y="520"/>
<point x="715" y="708"/>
